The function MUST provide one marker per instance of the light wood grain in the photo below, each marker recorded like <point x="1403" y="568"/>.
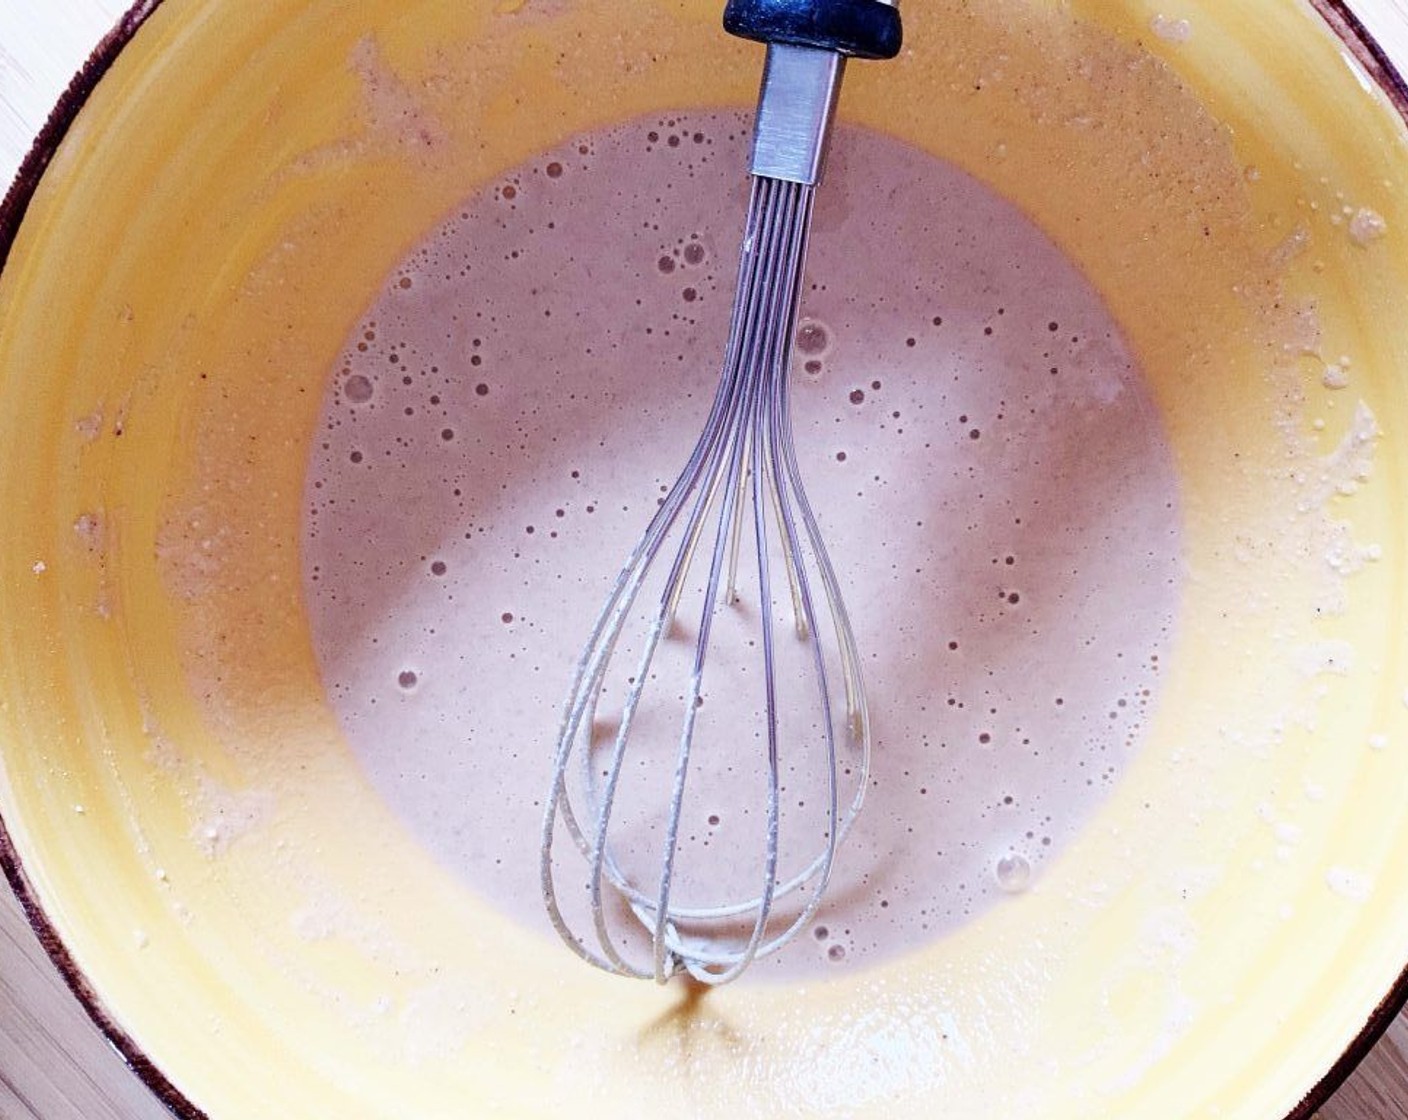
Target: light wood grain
<point x="1379" y="1088"/>
<point x="54" y="1064"/>
<point x="1387" y="21"/>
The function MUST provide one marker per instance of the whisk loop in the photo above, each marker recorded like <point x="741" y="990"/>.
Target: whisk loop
<point x="742" y="479"/>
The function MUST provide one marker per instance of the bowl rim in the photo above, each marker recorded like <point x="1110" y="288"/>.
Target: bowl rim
<point x="1342" y="20"/>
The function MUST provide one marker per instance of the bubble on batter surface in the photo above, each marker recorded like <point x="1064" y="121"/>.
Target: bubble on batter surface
<point x="1013" y="873"/>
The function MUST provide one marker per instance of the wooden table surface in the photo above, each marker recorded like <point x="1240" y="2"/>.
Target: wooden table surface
<point x="54" y="1064"/>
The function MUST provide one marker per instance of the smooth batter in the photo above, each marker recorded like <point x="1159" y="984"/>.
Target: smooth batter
<point x="991" y="475"/>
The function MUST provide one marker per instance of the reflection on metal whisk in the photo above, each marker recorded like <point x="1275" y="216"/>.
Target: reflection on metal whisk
<point x="628" y="915"/>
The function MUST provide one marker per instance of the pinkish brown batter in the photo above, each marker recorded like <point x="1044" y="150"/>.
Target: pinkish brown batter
<point x="990" y="472"/>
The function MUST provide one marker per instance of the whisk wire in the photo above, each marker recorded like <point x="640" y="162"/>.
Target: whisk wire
<point x="746" y="447"/>
<point x="579" y="715"/>
<point x="742" y="445"/>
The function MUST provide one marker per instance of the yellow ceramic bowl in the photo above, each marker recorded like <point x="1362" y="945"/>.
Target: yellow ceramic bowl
<point x="177" y="288"/>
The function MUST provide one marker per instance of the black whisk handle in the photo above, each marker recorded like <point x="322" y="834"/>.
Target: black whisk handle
<point x="856" y="28"/>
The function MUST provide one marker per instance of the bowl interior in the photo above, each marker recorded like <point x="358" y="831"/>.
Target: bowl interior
<point x="184" y="803"/>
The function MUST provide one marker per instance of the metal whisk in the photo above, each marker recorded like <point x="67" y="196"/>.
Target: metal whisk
<point x="623" y="805"/>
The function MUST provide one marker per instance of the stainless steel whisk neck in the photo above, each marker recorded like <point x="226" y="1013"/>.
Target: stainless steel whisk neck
<point x="796" y="109"/>
<point x="808" y="42"/>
